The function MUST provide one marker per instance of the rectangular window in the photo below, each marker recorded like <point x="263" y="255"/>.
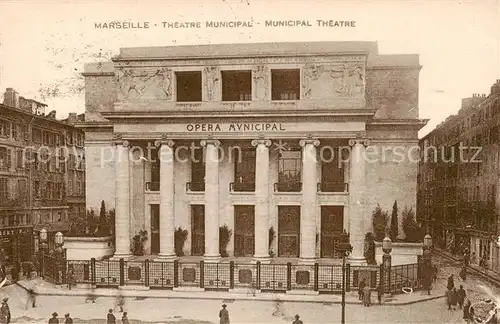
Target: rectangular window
<point x="21" y="190"/>
<point x="5" y="128"/>
<point x="36" y="189"/>
<point x="37" y="135"/>
<point x="244" y="170"/>
<point x="188" y="86"/>
<point x="236" y="85"/>
<point x="20" y="159"/>
<point x="197" y="171"/>
<point x="285" y="84"/>
<point x="4" y="190"/>
<point x="5" y="158"/>
<point x="289" y="171"/>
<point x="15" y="133"/>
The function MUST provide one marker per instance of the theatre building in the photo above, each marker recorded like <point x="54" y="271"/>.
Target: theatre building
<point x="298" y="139"/>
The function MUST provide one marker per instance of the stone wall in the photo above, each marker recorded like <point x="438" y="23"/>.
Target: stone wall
<point x="402" y="253"/>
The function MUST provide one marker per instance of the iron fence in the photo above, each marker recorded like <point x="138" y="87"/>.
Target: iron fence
<point x="225" y="276"/>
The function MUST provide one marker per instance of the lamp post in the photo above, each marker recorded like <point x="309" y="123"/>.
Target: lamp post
<point x="386" y="261"/>
<point x="427" y="254"/>
<point x="59" y="242"/>
<point x="42" y="249"/>
<point x="344" y="248"/>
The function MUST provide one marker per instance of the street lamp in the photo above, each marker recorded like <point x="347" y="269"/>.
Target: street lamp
<point x="42" y="250"/>
<point x="344" y="248"/>
<point x="427" y="254"/>
<point x="43" y="239"/>
<point x="59" y="241"/>
<point x="386" y="262"/>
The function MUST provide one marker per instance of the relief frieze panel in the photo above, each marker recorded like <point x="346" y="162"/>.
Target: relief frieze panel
<point x="211" y="80"/>
<point x="139" y="84"/>
<point x="343" y="80"/>
<point x="260" y="77"/>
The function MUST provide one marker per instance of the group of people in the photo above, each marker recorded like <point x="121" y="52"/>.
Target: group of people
<point x="454" y="296"/>
<point x="365" y="293"/>
<point x="111" y="318"/>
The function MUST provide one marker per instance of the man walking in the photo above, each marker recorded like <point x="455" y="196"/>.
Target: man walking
<point x="224" y="315"/>
<point x="54" y="319"/>
<point x="297" y="320"/>
<point x="111" y="318"/>
<point x="68" y="319"/>
<point x="5" y="310"/>
<point x="461" y="294"/>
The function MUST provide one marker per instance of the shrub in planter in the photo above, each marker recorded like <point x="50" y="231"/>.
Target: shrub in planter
<point x="394" y="222"/>
<point x="379" y="219"/>
<point x="413" y="231"/>
<point x="180" y="238"/>
<point x="224" y="238"/>
<point x="138" y="243"/>
<point x="272" y="236"/>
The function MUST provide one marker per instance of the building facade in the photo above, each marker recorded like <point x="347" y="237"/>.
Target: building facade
<point x="42" y="174"/>
<point x="259" y="138"/>
<point x="458" y="193"/>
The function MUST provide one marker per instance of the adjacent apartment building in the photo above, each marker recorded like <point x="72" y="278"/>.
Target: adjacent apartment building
<point x="459" y="193"/>
<point x="251" y="137"/>
<point x="42" y="174"/>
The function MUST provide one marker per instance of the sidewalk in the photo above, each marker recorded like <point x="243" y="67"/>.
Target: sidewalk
<point x="45" y="288"/>
<point x="489" y="275"/>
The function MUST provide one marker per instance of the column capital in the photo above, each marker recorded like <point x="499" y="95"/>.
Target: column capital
<point x="207" y="142"/>
<point x="167" y="142"/>
<point x="304" y="142"/>
<point x="261" y="141"/>
<point x="118" y="142"/>
<point x="363" y="141"/>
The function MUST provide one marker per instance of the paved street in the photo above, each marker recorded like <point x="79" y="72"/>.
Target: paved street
<point x="206" y="311"/>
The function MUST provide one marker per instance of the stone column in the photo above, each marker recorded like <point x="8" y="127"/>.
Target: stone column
<point x="122" y="201"/>
<point x="261" y="233"/>
<point x="167" y="219"/>
<point x="211" y="157"/>
<point x="308" y="228"/>
<point x="356" y="200"/>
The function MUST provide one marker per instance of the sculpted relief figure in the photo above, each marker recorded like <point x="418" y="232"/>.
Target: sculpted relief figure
<point x="260" y="82"/>
<point x="211" y="81"/>
<point x="353" y="81"/>
<point x="312" y="73"/>
<point x="144" y="84"/>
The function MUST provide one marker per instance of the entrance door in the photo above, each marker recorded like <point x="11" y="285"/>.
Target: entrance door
<point x="197" y="229"/>
<point x="244" y="230"/>
<point x="288" y="231"/>
<point x="155" y="229"/>
<point x="332" y="224"/>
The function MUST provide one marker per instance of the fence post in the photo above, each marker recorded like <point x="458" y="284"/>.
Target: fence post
<point x="316" y="276"/>
<point x="348" y="277"/>
<point x="202" y="274"/>
<point x="176" y="273"/>
<point x="289" y="276"/>
<point x="146" y="273"/>
<point x="231" y="275"/>
<point x="42" y="265"/>
<point x="122" y="272"/>
<point x="381" y="279"/>
<point x="92" y="272"/>
<point x="258" y="275"/>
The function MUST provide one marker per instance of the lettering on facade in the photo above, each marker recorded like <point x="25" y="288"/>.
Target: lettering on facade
<point x="155" y="84"/>
<point x="236" y="127"/>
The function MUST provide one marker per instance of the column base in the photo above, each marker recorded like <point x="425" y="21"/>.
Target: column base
<point x="265" y="259"/>
<point x="212" y="258"/>
<point x="118" y="256"/>
<point x="307" y="260"/>
<point x="166" y="257"/>
<point x="358" y="261"/>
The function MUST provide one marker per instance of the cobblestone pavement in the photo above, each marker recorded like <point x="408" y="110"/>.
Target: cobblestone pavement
<point x="206" y="311"/>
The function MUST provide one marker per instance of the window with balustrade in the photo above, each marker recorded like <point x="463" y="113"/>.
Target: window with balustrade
<point x="188" y="86"/>
<point x="236" y="85"/>
<point x="244" y="171"/>
<point x="285" y="84"/>
<point x="289" y="171"/>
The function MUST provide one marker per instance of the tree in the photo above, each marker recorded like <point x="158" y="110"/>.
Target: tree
<point x="379" y="219"/>
<point x="413" y="231"/>
<point x="394" y="222"/>
<point x="103" y="219"/>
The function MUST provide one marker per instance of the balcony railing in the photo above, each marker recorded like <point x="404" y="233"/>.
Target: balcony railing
<point x="195" y="186"/>
<point x="333" y="187"/>
<point x="287" y="186"/>
<point x="242" y="186"/>
<point x="153" y="186"/>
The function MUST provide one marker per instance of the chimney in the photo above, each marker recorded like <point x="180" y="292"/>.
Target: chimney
<point x="11" y="98"/>
<point x="52" y="114"/>
<point x="72" y="119"/>
<point x="495" y="89"/>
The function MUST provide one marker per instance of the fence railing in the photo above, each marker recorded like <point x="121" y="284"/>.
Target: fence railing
<point x="225" y="276"/>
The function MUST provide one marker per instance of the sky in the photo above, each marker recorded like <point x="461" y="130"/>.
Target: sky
<point x="44" y="44"/>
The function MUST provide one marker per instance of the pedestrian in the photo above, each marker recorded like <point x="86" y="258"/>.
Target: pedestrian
<point x="5" y="310"/>
<point x="297" y="320"/>
<point x="70" y="278"/>
<point x="361" y="286"/>
<point x="448" y="298"/>
<point x="467" y="316"/>
<point x="454" y="298"/>
<point x="125" y="318"/>
<point x="434" y="273"/>
<point x="367" y="296"/>
<point x="451" y="283"/>
<point x="224" y="315"/>
<point x="461" y="294"/>
<point x="380" y="293"/>
<point x="111" y="317"/>
<point x="120" y="302"/>
<point x="31" y="298"/>
<point x="463" y="273"/>
<point x="466" y="258"/>
<point x="14" y="272"/>
<point x="68" y="319"/>
<point x="54" y="319"/>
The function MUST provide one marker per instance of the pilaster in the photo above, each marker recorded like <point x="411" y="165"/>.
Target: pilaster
<point x="122" y="201"/>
